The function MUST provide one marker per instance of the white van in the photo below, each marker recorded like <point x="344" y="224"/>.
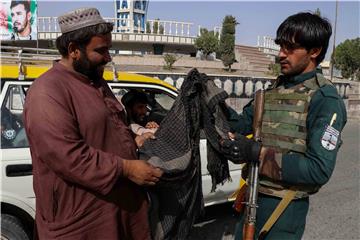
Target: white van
<point x="17" y="195"/>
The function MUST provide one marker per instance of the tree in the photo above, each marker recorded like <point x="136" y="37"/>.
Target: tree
<point x="207" y="42"/>
<point x="274" y="69"/>
<point x="347" y="58"/>
<point x="317" y="12"/>
<point x="227" y="41"/>
<point x="156" y="26"/>
<point x="161" y="29"/>
<point x="148" y="28"/>
<point x="169" y="59"/>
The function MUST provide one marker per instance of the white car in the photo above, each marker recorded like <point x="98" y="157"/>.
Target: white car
<point x="17" y="195"/>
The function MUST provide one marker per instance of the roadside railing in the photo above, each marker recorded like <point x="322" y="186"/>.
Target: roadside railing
<point x="124" y="25"/>
<point x="31" y="55"/>
<point x="236" y="86"/>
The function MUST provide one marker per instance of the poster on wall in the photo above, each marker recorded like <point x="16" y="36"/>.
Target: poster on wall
<point x="18" y="20"/>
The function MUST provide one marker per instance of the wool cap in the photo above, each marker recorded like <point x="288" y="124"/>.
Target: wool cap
<point x="79" y="18"/>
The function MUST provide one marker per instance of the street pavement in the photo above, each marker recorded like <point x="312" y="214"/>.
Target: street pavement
<point x="334" y="211"/>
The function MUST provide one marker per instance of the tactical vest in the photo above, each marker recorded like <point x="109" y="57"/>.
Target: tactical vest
<point x="284" y="128"/>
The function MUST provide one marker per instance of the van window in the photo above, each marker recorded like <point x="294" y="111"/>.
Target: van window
<point x="12" y="127"/>
<point x="156" y="97"/>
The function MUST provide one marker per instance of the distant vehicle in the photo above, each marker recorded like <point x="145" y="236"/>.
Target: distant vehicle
<point x="17" y="195"/>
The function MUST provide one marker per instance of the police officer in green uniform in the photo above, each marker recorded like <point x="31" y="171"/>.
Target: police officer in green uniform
<point x="301" y="129"/>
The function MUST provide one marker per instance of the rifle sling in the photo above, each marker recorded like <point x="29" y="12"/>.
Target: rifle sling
<point x="289" y="196"/>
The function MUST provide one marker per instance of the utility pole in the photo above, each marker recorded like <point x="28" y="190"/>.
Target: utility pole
<point x="333" y="51"/>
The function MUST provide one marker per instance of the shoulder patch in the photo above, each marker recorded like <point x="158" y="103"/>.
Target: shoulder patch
<point x="329" y="91"/>
<point x="330" y="138"/>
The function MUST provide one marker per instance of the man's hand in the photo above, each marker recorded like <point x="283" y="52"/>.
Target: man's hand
<point x="140" y="139"/>
<point x="141" y="172"/>
<point x="240" y="149"/>
<point x="152" y="125"/>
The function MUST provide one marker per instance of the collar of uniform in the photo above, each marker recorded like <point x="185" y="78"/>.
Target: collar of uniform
<point x="295" y="80"/>
<point x="75" y="74"/>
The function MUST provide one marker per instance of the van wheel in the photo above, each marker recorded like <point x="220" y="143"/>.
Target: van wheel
<point x="12" y="228"/>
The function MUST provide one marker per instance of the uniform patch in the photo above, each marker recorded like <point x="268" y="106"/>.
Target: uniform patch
<point x="330" y="138"/>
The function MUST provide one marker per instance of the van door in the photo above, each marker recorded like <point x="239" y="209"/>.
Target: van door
<point x="15" y="154"/>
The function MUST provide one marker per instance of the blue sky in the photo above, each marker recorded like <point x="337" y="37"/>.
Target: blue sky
<point x="255" y="17"/>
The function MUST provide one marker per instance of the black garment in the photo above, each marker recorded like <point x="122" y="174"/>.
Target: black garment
<point x="178" y="196"/>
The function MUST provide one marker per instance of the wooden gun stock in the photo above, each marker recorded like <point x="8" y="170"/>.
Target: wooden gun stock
<point x="249" y="232"/>
<point x="253" y="179"/>
<point x="258" y="114"/>
<point x="240" y="199"/>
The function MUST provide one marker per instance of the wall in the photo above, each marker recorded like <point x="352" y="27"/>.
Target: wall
<point x="241" y="88"/>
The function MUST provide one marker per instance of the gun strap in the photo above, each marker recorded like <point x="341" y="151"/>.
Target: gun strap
<point x="289" y="196"/>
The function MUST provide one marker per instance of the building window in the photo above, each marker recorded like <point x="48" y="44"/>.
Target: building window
<point x="142" y="21"/>
<point x="124" y="4"/>
<point x="123" y="17"/>
<point x="136" y="19"/>
<point x="137" y="5"/>
<point x="118" y="4"/>
<point x="144" y="5"/>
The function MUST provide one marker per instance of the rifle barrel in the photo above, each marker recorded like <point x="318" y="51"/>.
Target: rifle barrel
<point x="253" y="179"/>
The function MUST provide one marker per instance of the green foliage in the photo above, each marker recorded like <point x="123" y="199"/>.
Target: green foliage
<point x="161" y="29"/>
<point x="156" y="26"/>
<point x="317" y="12"/>
<point x="274" y="69"/>
<point x="207" y="42"/>
<point x="148" y="28"/>
<point x="228" y="60"/>
<point x="169" y="59"/>
<point x="347" y="58"/>
<point x="229" y="24"/>
<point x="227" y="41"/>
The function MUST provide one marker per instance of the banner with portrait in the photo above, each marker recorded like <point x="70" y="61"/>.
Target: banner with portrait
<point x="18" y="20"/>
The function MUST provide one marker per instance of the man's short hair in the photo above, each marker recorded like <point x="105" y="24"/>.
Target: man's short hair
<point x="305" y="30"/>
<point x="134" y="96"/>
<point x="81" y="37"/>
<point x="26" y="4"/>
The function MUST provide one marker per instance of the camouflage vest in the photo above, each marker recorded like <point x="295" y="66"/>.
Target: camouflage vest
<point x="284" y="128"/>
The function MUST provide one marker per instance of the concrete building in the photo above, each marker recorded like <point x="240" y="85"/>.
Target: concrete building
<point x="130" y="15"/>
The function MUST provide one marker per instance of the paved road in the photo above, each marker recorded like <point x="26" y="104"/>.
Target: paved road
<point x="334" y="211"/>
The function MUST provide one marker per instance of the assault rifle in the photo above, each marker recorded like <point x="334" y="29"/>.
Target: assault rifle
<point x="253" y="177"/>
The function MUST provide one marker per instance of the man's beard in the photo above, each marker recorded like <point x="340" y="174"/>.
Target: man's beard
<point x="18" y="27"/>
<point x="16" y="30"/>
<point x="92" y="70"/>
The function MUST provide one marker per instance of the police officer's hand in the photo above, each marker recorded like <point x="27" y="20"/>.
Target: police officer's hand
<point x="141" y="172"/>
<point x="240" y="149"/>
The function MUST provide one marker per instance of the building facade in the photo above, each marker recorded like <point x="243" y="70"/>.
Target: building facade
<point x="131" y="15"/>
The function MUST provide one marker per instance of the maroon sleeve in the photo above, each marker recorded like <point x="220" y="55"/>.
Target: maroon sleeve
<point x="55" y="140"/>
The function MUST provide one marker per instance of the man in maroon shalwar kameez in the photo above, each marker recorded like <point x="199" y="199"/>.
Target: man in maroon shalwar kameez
<point x="86" y="180"/>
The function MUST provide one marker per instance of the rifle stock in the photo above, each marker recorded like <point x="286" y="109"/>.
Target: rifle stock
<point x="253" y="179"/>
